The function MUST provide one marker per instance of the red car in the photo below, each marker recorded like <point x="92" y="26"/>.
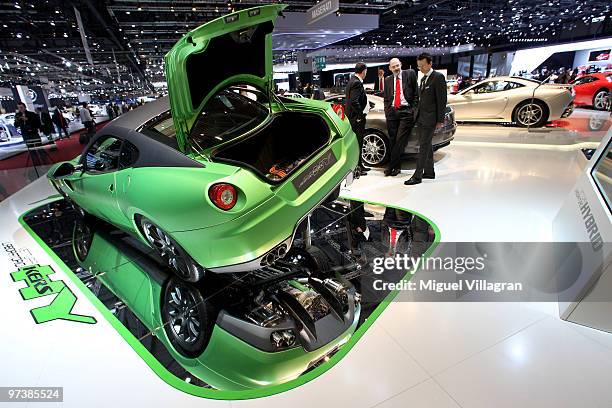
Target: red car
<point x="593" y="90"/>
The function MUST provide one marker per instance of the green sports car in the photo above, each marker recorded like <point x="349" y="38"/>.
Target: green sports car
<point x="231" y="331"/>
<point x="219" y="176"/>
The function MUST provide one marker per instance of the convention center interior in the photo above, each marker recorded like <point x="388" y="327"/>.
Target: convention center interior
<point x="295" y="203"/>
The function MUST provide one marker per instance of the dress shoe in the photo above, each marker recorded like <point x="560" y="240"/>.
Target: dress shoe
<point x="364" y="169"/>
<point x="429" y="176"/>
<point x="392" y="172"/>
<point x="412" y="181"/>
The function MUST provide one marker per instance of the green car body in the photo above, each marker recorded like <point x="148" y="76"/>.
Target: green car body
<point x="227" y="362"/>
<point x="166" y="177"/>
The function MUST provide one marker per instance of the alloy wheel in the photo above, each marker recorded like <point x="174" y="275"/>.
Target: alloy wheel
<point x="529" y="114"/>
<point x="166" y="248"/>
<point x="601" y="100"/>
<point x="82" y="238"/>
<point x="183" y="312"/>
<point x="374" y="149"/>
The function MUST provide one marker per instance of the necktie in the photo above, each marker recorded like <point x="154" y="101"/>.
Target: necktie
<point x="398" y="90"/>
<point x="423" y="81"/>
<point x="381" y="85"/>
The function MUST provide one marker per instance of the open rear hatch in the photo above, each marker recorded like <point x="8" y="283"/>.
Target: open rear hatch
<point x="283" y="145"/>
<point x="242" y="41"/>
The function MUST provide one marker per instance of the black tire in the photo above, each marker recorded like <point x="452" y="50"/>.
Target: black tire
<point x="82" y="237"/>
<point x="528" y="114"/>
<point x="171" y="253"/>
<point x="601" y="100"/>
<point x="188" y="318"/>
<point x="376" y="148"/>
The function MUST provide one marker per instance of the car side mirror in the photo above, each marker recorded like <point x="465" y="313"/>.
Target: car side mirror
<point x="66" y="169"/>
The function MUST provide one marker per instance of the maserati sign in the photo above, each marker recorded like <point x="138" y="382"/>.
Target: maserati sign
<point x="32" y="94"/>
<point x="322" y="9"/>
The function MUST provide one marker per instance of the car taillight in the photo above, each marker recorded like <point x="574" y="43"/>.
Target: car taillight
<point x="339" y="109"/>
<point x="223" y="195"/>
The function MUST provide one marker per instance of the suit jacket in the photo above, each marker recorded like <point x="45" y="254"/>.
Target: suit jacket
<point x="46" y="125"/>
<point x="355" y="99"/>
<point x="27" y="122"/>
<point x="409" y="87"/>
<point x="432" y="101"/>
<point x="377" y="86"/>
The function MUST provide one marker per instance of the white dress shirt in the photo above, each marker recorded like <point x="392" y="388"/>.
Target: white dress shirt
<point x="403" y="101"/>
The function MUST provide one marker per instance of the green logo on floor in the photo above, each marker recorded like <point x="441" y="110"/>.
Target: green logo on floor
<point x="38" y="285"/>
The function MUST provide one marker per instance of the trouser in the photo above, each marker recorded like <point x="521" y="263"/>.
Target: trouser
<point x="89" y="125"/>
<point x="358" y="126"/>
<point x="61" y="129"/>
<point x="399" y="131"/>
<point x="425" y="163"/>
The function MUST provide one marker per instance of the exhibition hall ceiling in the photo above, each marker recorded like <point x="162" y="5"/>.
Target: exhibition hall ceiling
<point x="128" y="38"/>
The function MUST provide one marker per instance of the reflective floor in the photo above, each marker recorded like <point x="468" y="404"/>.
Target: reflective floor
<point x="491" y="186"/>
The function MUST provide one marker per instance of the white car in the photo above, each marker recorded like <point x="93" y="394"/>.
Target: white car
<point x="293" y="95"/>
<point x="96" y="110"/>
<point x="8" y="118"/>
<point x="511" y="99"/>
<point x="8" y="132"/>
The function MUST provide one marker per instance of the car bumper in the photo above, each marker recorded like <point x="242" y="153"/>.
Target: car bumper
<point x="243" y="243"/>
<point x="568" y="111"/>
<point x="232" y="364"/>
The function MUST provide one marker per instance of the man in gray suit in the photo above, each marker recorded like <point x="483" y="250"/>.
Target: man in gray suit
<point x="429" y="117"/>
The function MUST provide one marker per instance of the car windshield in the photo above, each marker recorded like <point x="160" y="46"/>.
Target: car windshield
<point x="229" y="114"/>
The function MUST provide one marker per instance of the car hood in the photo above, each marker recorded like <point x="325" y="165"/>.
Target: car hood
<point x="236" y="48"/>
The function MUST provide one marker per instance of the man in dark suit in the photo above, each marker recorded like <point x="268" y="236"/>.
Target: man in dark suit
<point x="429" y="117"/>
<point x="380" y="83"/>
<point x="355" y="107"/>
<point x="401" y="99"/>
<point x="29" y="124"/>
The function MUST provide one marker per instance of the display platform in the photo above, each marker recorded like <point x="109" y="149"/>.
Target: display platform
<point x="215" y="339"/>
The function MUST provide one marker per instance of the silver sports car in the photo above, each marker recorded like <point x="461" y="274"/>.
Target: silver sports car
<point x="376" y="144"/>
<point x="524" y="102"/>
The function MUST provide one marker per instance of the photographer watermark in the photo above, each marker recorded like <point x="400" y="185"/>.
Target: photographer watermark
<point x="459" y="265"/>
<point x="488" y="271"/>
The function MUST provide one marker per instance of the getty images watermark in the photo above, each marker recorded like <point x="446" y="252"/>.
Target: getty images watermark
<point x="488" y="272"/>
<point x="459" y="265"/>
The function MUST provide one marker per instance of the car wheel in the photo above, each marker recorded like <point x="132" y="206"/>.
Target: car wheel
<point x="531" y="114"/>
<point x="171" y="253"/>
<point x="82" y="237"/>
<point x="601" y="100"/>
<point x="596" y="123"/>
<point x="188" y="318"/>
<point x="376" y="148"/>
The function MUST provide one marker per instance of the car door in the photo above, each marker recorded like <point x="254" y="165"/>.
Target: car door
<point x="486" y="100"/>
<point x="123" y="180"/>
<point x="585" y="88"/>
<point x="94" y="187"/>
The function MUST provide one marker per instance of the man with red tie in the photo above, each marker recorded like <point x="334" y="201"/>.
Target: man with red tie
<point x="401" y="98"/>
<point x="381" y="80"/>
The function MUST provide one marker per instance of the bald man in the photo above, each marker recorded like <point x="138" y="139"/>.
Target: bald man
<point x="401" y="99"/>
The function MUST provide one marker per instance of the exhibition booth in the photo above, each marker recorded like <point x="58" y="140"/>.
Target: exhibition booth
<point x="221" y="242"/>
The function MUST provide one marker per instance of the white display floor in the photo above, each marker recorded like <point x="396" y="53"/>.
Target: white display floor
<point x="416" y="354"/>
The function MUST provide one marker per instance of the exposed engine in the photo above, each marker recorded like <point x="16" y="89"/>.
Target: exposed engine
<point x="312" y="301"/>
